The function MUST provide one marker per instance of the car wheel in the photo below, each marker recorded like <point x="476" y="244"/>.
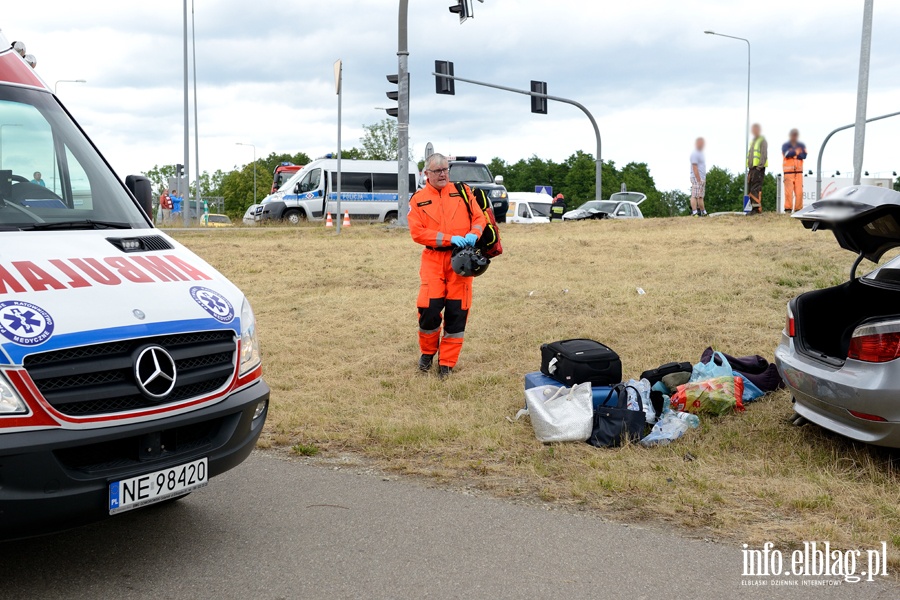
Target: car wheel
<point x="294" y="217"/>
<point x="391" y="217"/>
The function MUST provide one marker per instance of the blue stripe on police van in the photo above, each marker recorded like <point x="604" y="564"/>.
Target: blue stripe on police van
<point x="345" y="197"/>
<point x="15" y="354"/>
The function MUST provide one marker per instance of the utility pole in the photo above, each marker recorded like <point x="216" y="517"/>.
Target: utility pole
<point x="186" y="187"/>
<point x="338" y="85"/>
<point x="403" y="115"/>
<point x="862" y="92"/>
<point x="196" y="120"/>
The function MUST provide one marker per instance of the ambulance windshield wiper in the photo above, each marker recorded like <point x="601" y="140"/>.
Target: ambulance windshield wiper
<point x="82" y="224"/>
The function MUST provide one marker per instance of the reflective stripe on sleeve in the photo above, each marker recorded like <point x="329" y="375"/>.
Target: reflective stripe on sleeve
<point x="440" y="239"/>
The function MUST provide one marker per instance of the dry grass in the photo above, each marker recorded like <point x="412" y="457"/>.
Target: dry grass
<point x="338" y="327"/>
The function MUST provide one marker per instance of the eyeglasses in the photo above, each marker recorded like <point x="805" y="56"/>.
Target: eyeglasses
<point x="439" y="171"/>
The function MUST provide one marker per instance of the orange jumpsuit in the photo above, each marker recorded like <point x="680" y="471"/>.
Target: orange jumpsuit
<point x="793" y="175"/>
<point x="435" y="216"/>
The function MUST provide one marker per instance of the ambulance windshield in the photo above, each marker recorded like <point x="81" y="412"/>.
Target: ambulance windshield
<point x="50" y="175"/>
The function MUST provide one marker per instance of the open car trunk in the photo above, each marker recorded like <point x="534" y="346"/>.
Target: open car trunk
<point x="825" y="319"/>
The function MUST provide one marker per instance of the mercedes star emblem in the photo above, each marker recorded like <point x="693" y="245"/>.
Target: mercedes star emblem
<point x="154" y="372"/>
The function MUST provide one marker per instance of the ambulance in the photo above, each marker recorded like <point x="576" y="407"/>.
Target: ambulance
<point x="129" y="367"/>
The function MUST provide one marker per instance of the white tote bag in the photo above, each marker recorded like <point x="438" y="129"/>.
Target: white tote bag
<point x="560" y="414"/>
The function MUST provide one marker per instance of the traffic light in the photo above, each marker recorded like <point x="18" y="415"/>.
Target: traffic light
<point x="538" y="104"/>
<point x="463" y="8"/>
<point x="442" y="85"/>
<point x="179" y="171"/>
<point x="393" y="95"/>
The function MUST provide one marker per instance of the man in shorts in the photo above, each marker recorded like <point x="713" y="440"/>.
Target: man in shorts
<point x="698" y="179"/>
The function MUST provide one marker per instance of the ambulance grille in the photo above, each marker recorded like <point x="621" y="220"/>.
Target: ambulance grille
<point x="100" y="379"/>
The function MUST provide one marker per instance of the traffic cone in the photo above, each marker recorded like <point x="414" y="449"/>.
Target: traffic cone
<point x="328" y="221"/>
<point x="346" y="222"/>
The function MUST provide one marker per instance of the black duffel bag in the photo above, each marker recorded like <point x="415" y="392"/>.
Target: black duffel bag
<point x="571" y="362"/>
<point x="615" y="424"/>
<point x="654" y="376"/>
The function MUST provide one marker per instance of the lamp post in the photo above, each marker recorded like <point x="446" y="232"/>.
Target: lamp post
<point x="55" y="85"/>
<point x="1" y="138"/>
<point x="59" y="81"/>
<point x="254" y="168"/>
<point x="747" y="130"/>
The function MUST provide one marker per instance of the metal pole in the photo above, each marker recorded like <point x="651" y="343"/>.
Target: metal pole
<point x="339" y="68"/>
<point x="862" y="92"/>
<point x="254" y="173"/>
<point x="747" y="130"/>
<point x="196" y="121"/>
<point x="402" y="115"/>
<point x="824" y="143"/>
<point x="186" y="187"/>
<point x="599" y="171"/>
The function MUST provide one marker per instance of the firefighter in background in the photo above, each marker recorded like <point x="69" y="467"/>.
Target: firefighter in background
<point x="558" y="208"/>
<point x="440" y="219"/>
<point x="794" y="153"/>
<point x="757" y="161"/>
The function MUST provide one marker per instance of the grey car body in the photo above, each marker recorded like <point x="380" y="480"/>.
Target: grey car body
<point x="621" y="205"/>
<point x="839" y="350"/>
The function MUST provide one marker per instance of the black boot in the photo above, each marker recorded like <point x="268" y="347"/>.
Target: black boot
<point x="425" y="362"/>
<point x="445" y="372"/>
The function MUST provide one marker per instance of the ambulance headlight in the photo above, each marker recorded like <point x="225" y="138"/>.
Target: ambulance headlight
<point x="250" y="358"/>
<point x="10" y="401"/>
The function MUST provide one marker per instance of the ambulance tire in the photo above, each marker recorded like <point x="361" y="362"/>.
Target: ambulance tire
<point x="294" y="216"/>
<point x="391" y="217"/>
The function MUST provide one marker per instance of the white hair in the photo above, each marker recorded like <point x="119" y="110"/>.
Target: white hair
<point x="435" y="159"/>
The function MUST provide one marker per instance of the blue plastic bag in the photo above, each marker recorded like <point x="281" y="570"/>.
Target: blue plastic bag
<point x="711" y="370"/>
<point x="751" y="392"/>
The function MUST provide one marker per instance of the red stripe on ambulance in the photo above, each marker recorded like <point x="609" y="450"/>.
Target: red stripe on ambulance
<point x="60" y="274"/>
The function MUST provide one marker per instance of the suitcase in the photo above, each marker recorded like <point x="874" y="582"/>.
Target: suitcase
<point x="655" y="375"/>
<point x="571" y="362"/>
<point x="600" y="392"/>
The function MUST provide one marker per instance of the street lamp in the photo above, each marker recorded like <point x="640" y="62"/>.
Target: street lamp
<point x="254" y="167"/>
<point x="747" y="130"/>
<point x="1" y="138"/>
<point x="59" y="81"/>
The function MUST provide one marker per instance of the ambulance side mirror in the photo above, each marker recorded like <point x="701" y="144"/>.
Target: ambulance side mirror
<point x="142" y="190"/>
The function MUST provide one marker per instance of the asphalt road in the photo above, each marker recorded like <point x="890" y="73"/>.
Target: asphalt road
<point x="280" y="529"/>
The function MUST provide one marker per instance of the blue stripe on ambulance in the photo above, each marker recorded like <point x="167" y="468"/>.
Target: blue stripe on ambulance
<point x="15" y="354"/>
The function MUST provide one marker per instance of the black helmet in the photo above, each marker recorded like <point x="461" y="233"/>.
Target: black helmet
<point x="469" y="262"/>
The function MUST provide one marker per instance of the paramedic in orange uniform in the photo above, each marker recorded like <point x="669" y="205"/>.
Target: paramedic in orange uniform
<point x="440" y="220"/>
<point x="794" y="152"/>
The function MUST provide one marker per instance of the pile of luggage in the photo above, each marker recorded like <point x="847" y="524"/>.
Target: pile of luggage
<point x="595" y="405"/>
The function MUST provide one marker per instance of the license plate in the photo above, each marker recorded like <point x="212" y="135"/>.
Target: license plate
<point x="157" y="486"/>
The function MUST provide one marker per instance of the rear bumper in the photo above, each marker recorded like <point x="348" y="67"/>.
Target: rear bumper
<point x="824" y="395"/>
<point x="57" y="479"/>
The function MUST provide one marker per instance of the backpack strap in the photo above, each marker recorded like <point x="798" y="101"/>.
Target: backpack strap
<point x="461" y="188"/>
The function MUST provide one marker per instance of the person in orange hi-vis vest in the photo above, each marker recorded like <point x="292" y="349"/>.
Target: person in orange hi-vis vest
<point x="441" y="219"/>
<point x="794" y="153"/>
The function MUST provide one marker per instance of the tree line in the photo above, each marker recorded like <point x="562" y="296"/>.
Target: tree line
<point x="573" y="177"/>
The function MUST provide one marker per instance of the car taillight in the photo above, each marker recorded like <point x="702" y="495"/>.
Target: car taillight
<point x="867" y="416"/>
<point x="789" y="326"/>
<point x="877" y="343"/>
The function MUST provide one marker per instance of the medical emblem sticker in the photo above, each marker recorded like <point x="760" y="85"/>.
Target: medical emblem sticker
<point x="214" y="303"/>
<point x="24" y="323"/>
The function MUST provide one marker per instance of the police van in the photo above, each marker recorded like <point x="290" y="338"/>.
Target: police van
<point x="129" y="367"/>
<point x="368" y="191"/>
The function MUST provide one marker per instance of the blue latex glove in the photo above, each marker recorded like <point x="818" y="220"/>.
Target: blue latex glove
<point x="459" y="241"/>
<point x="471" y="238"/>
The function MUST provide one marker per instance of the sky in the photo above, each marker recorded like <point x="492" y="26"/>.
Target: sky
<point x="644" y="68"/>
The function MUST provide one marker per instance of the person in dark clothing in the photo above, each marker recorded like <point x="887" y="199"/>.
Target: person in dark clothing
<point x="558" y="208"/>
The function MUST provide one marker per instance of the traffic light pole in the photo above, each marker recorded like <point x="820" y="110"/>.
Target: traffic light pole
<point x="403" y="116"/>
<point x="598" y="177"/>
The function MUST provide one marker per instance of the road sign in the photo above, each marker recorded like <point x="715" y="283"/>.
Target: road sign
<point x="544" y="189"/>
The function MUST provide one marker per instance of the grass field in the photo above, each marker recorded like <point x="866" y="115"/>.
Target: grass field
<point x="338" y="328"/>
